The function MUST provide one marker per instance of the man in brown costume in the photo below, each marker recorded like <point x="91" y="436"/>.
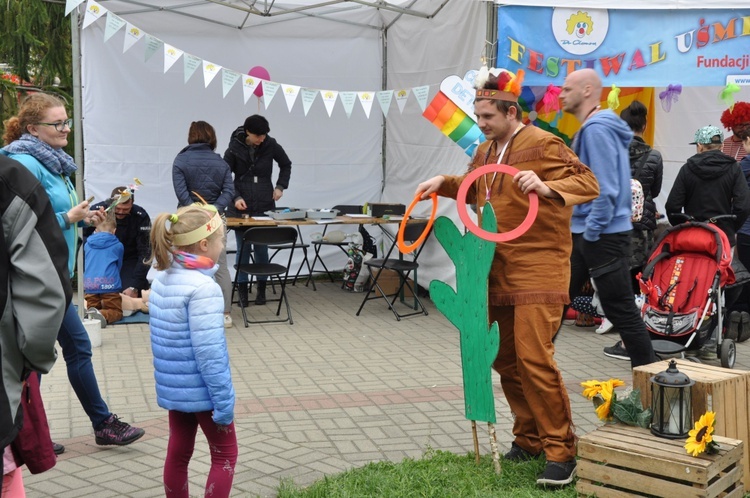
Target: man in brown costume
<point x="528" y="282"/>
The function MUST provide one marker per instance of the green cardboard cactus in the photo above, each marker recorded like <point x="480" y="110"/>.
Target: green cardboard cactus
<point x="467" y="309"/>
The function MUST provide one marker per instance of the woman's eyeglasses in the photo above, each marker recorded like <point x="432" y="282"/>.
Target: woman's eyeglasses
<point x="60" y="125"/>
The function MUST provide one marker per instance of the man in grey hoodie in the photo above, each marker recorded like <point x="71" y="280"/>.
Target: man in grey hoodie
<point x="602" y="228"/>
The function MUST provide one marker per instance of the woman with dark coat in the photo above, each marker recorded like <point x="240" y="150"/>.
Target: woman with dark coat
<point x="197" y="169"/>
<point x="647" y="167"/>
<point x="250" y="155"/>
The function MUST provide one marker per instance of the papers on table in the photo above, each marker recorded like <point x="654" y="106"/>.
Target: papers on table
<point x="358" y="215"/>
<point x="262" y="218"/>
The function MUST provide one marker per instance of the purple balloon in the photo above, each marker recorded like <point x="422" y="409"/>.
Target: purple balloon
<point x="262" y="73"/>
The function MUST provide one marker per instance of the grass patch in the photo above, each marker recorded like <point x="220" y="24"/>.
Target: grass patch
<point x="437" y="474"/>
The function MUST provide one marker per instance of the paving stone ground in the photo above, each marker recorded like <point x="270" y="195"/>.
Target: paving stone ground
<point x="331" y="392"/>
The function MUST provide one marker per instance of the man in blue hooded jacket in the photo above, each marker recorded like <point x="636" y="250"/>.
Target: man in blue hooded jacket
<point x="602" y="228"/>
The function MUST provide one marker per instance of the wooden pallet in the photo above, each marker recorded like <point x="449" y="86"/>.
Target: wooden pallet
<point x="617" y="461"/>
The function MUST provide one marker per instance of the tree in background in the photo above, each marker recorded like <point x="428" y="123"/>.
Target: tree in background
<point x="36" y="49"/>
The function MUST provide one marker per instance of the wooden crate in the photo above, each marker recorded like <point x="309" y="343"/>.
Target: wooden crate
<point x="620" y="461"/>
<point x="716" y="389"/>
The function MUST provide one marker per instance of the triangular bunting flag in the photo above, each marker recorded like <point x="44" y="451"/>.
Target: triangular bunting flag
<point x="308" y="97"/>
<point x="114" y="23"/>
<point x="366" y="99"/>
<point x="249" y="84"/>
<point x="269" y="91"/>
<point x="384" y="99"/>
<point x="191" y="64"/>
<point x="401" y="97"/>
<point x="210" y="70"/>
<point x="132" y="35"/>
<point x="153" y="44"/>
<point x="347" y="99"/>
<point x="329" y="99"/>
<point x="421" y="93"/>
<point x="71" y="4"/>
<point x="290" y="94"/>
<point x="93" y="12"/>
<point x="171" y="55"/>
<point x="228" y="79"/>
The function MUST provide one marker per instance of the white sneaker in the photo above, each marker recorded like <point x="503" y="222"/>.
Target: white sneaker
<point x="605" y="326"/>
<point x="227" y="321"/>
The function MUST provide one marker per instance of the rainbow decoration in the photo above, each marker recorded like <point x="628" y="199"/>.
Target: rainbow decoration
<point x="565" y="125"/>
<point x="454" y="123"/>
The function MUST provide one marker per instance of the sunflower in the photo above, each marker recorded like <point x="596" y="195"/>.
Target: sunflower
<point x="594" y="387"/>
<point x="701" y="436"/>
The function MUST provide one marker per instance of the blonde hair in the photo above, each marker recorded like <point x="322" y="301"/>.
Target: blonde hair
<point x="31" y="112"/>
<point x="108" y="224"/>
<point x="186" y="220"/>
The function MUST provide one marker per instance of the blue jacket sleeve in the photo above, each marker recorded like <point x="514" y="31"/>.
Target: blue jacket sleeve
<point x="599" y="160"/>
<point x="206" y="318"/>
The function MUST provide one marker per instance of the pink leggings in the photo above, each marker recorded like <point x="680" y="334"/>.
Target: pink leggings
<point x="222" y="442"/>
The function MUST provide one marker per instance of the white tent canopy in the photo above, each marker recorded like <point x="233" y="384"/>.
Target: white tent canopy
<point x="136" y="115"/>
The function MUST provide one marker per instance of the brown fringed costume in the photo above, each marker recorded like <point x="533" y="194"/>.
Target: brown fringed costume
<point x="528" y="282"/>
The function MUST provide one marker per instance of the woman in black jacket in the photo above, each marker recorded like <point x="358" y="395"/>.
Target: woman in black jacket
<point x="250" y="155"/>
<point x="647" y="167"/>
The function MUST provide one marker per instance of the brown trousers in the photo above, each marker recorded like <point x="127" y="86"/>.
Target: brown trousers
<point x="531" y="380"/>
<point x="109" y="305"/>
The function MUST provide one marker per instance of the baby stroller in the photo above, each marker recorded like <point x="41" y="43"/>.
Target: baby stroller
<point x="683" y="284"/>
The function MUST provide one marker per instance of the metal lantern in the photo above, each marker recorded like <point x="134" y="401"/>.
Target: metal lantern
<point x="671" y="403"/>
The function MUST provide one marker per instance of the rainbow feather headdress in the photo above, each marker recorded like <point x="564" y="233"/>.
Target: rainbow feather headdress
<point x="508" y="84"/>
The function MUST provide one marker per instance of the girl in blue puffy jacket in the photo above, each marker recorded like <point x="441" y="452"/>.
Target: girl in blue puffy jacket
<point x="191" y="362"/>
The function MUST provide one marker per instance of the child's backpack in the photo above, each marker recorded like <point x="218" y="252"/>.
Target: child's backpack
<point x="636" y="190"/>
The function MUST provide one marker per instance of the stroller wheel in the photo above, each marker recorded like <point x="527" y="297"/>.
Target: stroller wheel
<point x="728" y="353"/>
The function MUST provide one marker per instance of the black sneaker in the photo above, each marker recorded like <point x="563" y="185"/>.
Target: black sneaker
<point x="617" y="351"/>
<point x="114" y="431"/>
<point x="733" y="331"/>
<point x="557" y="474"/>
<point x="58" y="448"/>
<point x="518" y="454"/>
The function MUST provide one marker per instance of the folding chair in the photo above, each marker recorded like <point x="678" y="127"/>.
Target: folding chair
<point x="298" y="244"/>
<point x="268" y="236"/>
<point x="403" y="267"/>
<point x="319" y="244"/>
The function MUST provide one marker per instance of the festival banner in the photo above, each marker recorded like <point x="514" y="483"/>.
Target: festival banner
<point x="308" y="97"/>
<point x="290" y="95"/>
<point x="132" y="35"/>
<point x="347" y="99"/>
<point x="329" y="99"/>
<point x="269" y="91"/>
<point x="171" y="55"/>
<point x="249" y="84"/>
<point x="384" y="99"/>
<point x="228" y="79"/>
<point x="191" y="63"/>
<point x="401" y="97"/>
<point x="366" y="99"/>
<point x="93" y="12"/>
<point x="71" y="4"/>
<point x="421" y="93"/>
<point x="114" y="23"/>
<point x="625" y="47"/>
<point x="153" y="44"/>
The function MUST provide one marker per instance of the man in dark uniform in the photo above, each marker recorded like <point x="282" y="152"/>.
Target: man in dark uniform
<point x="133" y="230"/>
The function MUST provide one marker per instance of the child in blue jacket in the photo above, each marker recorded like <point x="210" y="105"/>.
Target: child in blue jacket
<point x="191" y="361"/>
<point x="103" y="254"/>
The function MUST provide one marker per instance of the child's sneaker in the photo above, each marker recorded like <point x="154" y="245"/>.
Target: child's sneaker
<point x="227" y="321"/>
<point x="94" y="314"/>
<point x="114" y="431"/>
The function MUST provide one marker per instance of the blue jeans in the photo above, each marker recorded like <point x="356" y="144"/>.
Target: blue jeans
<point x="76" y="347"/>
<point x="606" y="262"/>
<point x="260" y="256"/>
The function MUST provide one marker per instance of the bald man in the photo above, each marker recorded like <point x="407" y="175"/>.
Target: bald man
<point x="602" y="228"/>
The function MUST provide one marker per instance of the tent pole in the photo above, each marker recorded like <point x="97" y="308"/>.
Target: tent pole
<point x="383" y="86"/>
<point x="75" y="42"/>
<point x="490" y="52"/>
